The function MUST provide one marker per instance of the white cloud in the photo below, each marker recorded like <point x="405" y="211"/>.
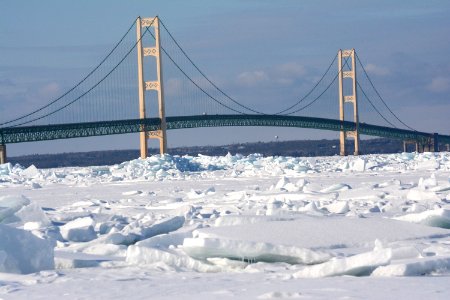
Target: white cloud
<point x="252" y="78"/>
<point x="286" y="74"/>
<point x="439" y="84"/>
<point x="377" y="70"/>
<point x="292" y="69"/>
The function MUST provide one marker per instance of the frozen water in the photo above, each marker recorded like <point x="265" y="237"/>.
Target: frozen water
<point x="261" y="225"/>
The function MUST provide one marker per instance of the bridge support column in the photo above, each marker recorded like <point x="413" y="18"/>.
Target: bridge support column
<point x="351" y="73"/>
<point x="429" y="145"/>
<point x="436" y="142"/>
<point x="2" y="154"/>
<point x="410" y="142"/>
<point x="157" y="85"/>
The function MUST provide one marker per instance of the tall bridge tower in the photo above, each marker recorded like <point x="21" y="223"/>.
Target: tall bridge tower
<point x="156" y="85"/>
<point x="348" y="98"/>
<point x="2" y="154"/>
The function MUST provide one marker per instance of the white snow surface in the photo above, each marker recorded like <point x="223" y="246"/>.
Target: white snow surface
<point x="230" y="227"/>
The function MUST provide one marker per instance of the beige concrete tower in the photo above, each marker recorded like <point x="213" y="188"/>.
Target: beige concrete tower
<point x="348" y="98"/>
<point x="2" y="154"/>
<point x="156" y="85"/>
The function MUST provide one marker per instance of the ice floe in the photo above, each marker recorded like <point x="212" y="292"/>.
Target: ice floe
<point x="285" y="217"/>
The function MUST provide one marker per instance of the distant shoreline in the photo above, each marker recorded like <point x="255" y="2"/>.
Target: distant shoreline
<point x="306" y="148"/>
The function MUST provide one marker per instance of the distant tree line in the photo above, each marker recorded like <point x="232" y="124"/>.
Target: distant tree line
<point x="278" y="148"/>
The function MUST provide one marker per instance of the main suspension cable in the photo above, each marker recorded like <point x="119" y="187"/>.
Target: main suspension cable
<point x="323" y="92"/>
<point x="193" y="81"/>
<point x="370" y="102"/>
<point x="309" y="93"/>
<point x="77" y="85"/>
<point x="381" y="98"/>
<point x="93" y="87"/>
<point x="206" y="77"/>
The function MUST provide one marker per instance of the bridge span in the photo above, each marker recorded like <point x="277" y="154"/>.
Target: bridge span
<point x="115" y="98"/>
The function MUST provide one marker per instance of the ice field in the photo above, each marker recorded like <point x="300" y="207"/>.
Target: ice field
<point x="231" y="227"/>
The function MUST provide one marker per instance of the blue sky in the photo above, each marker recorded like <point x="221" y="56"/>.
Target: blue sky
<point x="245" y="46"/>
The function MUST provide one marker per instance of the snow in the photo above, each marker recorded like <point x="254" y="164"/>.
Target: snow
<point x="241" y="227"/>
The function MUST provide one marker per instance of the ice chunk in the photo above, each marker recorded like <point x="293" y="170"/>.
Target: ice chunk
<point x="33" y="213"/>
<point x="79" y="230"/>
<point x="428" y="182"/>
<point x="322" y="232"/>
<point x="312" y="209"/>
<point x="358" y="165"/>
<point x="203" y="248"/>
<point x="9" y="205"/>
<point x="301" y="183"/>
<point x="5" y="169"/>
<point x="437" y="218"/>
<point x="164" y="226"/>
<point x="137" y="232"/>
<point x="415" y="268"/>
<point x="282" y="183"/>
<point x="405" y="252"/>
<point x="357" y="265"/>
<point x="31" y="172"/>
<point x="174" y="238"/>
<point x="166" y="240"/>
<point x="290" y="187"/>
<point x="138" y="255"/>
<point x="338" y="207"/>
<point x="22" y="252"/>
<point x="31" y="226"/>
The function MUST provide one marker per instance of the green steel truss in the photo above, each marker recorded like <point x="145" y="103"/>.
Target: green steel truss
<point x="10" y="135"/>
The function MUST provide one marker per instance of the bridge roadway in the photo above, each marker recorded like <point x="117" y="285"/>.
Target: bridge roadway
<point x="10" y="135"/>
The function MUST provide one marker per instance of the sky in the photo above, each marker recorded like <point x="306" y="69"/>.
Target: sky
<point x="261" y="51"/>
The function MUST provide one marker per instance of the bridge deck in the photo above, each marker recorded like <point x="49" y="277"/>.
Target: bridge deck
<point x="65" y="131"/>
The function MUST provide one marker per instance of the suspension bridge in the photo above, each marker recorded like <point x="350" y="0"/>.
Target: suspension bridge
<point x="128" y="92"/>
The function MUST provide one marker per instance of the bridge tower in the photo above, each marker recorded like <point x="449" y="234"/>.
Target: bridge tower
<point x="2" y="154"/>
<point x="348" y="98"/>
<point x="151" y="85"/>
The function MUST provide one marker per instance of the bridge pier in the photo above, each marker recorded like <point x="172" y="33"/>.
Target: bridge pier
<point x="2" y="154"/>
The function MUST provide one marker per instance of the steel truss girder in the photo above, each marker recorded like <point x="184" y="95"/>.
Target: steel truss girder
<point x="11" y="135"/>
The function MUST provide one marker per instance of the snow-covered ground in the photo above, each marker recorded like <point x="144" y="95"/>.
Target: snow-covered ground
<point x="232" y="227"/>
